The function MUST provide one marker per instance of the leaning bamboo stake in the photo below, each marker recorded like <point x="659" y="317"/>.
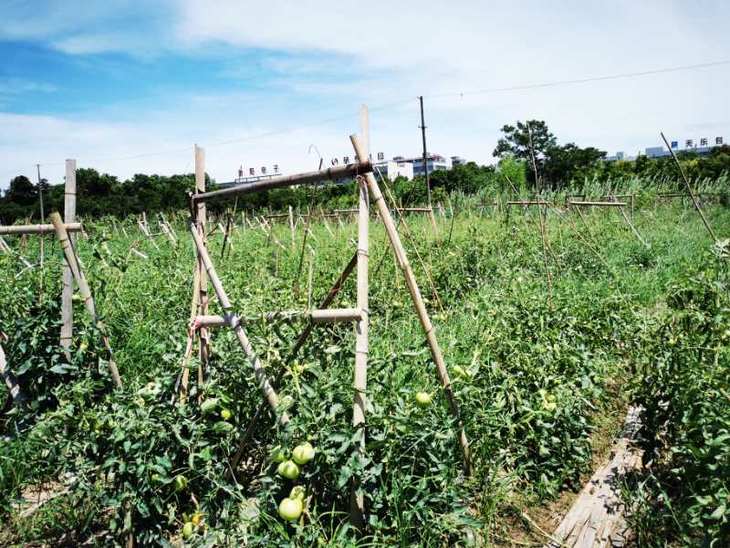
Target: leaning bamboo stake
<point x="690" y="191"/>
<point x="194" y="308"/>
<point x="139" y="253"/>
<point x="334" y="290"/>
<point x="10" y="251"/>
<point x="145" y="230"/>
<point x="633" y="228"/>
<point x="301" y="339"/>
<point x="235" y="324"/>
<point x="78" y="275"/>
<point x="443" y="375"/>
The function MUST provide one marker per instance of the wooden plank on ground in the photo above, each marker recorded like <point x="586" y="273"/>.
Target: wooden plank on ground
<point x="596" y="518"/>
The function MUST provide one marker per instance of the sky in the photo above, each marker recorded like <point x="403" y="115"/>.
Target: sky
<point x="129" y="87"/>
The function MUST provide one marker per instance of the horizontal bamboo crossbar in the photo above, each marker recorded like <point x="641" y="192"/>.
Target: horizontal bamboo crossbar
<point x="685" y="195"/>
<point x="333" y="315"/>
<point x="597" y="204"/>
<point x="327" y="315"/>
<point x="36" y="229"/>
<point x="416" y="209"/>
<point x="527" y="203"/>
<point x="332" y="173"/>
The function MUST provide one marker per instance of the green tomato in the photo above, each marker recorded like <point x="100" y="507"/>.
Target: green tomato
<point x="223" y="427"/>
<point x="423" y="399"/>
<point x="298" y="492"/>
<point x="285" y="403"/>
<point x="226" y="414"/>
<point x="278" y="455"/>
<point x="288" y="469"/>
<point x="181" y="482"/>
<point x="208" y="405"/>
<point x="290" y="509"/>
<point x="303" y="453"/>
<point x="188" y="529"/>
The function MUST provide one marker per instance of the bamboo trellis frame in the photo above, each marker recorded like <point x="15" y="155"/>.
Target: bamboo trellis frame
<point x="78" y="275"/>
<point x="368" y="190"/>
<point x="63" y="232"/>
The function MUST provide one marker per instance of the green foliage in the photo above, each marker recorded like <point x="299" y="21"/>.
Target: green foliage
<point x="685" y="387"/>
<point x="533" y="378"/>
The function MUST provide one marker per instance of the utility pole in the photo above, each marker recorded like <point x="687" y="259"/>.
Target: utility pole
<point x="425" y="160"/>
<point x="40" y="192"/>
<point x="43" y="219"/>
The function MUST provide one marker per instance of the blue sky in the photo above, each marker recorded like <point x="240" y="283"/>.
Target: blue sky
<point x="128" y="86"/>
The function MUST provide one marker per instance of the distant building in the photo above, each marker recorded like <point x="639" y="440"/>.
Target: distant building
<point x="703" y="147"/>
<point x="656" y="152"/>
<point x="394" y="168"/>
<point x="435" y="162"/>
<point x="618" y="156"/>
<point x="409" y="168"/>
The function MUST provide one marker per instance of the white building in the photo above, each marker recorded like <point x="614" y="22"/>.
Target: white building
<point x="394" y="168"/>
<point x="413" y="167"/>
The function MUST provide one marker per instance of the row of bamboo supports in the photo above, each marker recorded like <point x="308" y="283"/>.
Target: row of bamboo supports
<point x="72" y="272"/>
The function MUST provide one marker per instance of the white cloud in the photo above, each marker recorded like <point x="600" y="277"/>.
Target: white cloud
<point x="331" y="56"/>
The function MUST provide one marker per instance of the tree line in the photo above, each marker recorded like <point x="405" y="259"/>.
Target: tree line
<point x="530" y="159"/>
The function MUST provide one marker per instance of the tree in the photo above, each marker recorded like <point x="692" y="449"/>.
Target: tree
<point x="529" y="141"/>
<point x="513" y="174"/>
<point x="22" y="191"/>
<point x="516" y="140"/>
<point x="570" y="162"/>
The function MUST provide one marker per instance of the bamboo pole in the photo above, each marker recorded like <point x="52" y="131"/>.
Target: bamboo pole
<point x="361" y="342"/>
<point x="548" y="274"/>
<point x="633" y="228"/>
<point x="194" y="309"/>
<point x="201" y="219"/>
<point x="443" y="375"/>
<point x="334" y="290"/>
<point x="69" y="216"/>
<point x="14" y="230"/>
<point x="317" y="315"/>
<point x="10" y="251"/>
<point x="235" y="324"/>
<point x="78" y="275"/>
<point x="527" y="203"/>
<point x="139" y="253"/>
<point x="595" y="204"/>
<point x="357" y="511"/>
<point x="301" y="339"/>
<point x="332" y="173"/>
<point x="690" y="191"/>
<point x="166" y="232"/>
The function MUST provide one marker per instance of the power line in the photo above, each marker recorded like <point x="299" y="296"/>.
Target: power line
<point x="555" y="83"/>
<point x="400" y="102"/>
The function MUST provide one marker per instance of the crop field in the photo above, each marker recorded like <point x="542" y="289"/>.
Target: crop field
<point x="547" y="342"/>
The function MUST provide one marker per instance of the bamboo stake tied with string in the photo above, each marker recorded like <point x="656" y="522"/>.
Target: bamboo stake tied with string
<point x="78" y="275"/>
<point x="443" y="375"/>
